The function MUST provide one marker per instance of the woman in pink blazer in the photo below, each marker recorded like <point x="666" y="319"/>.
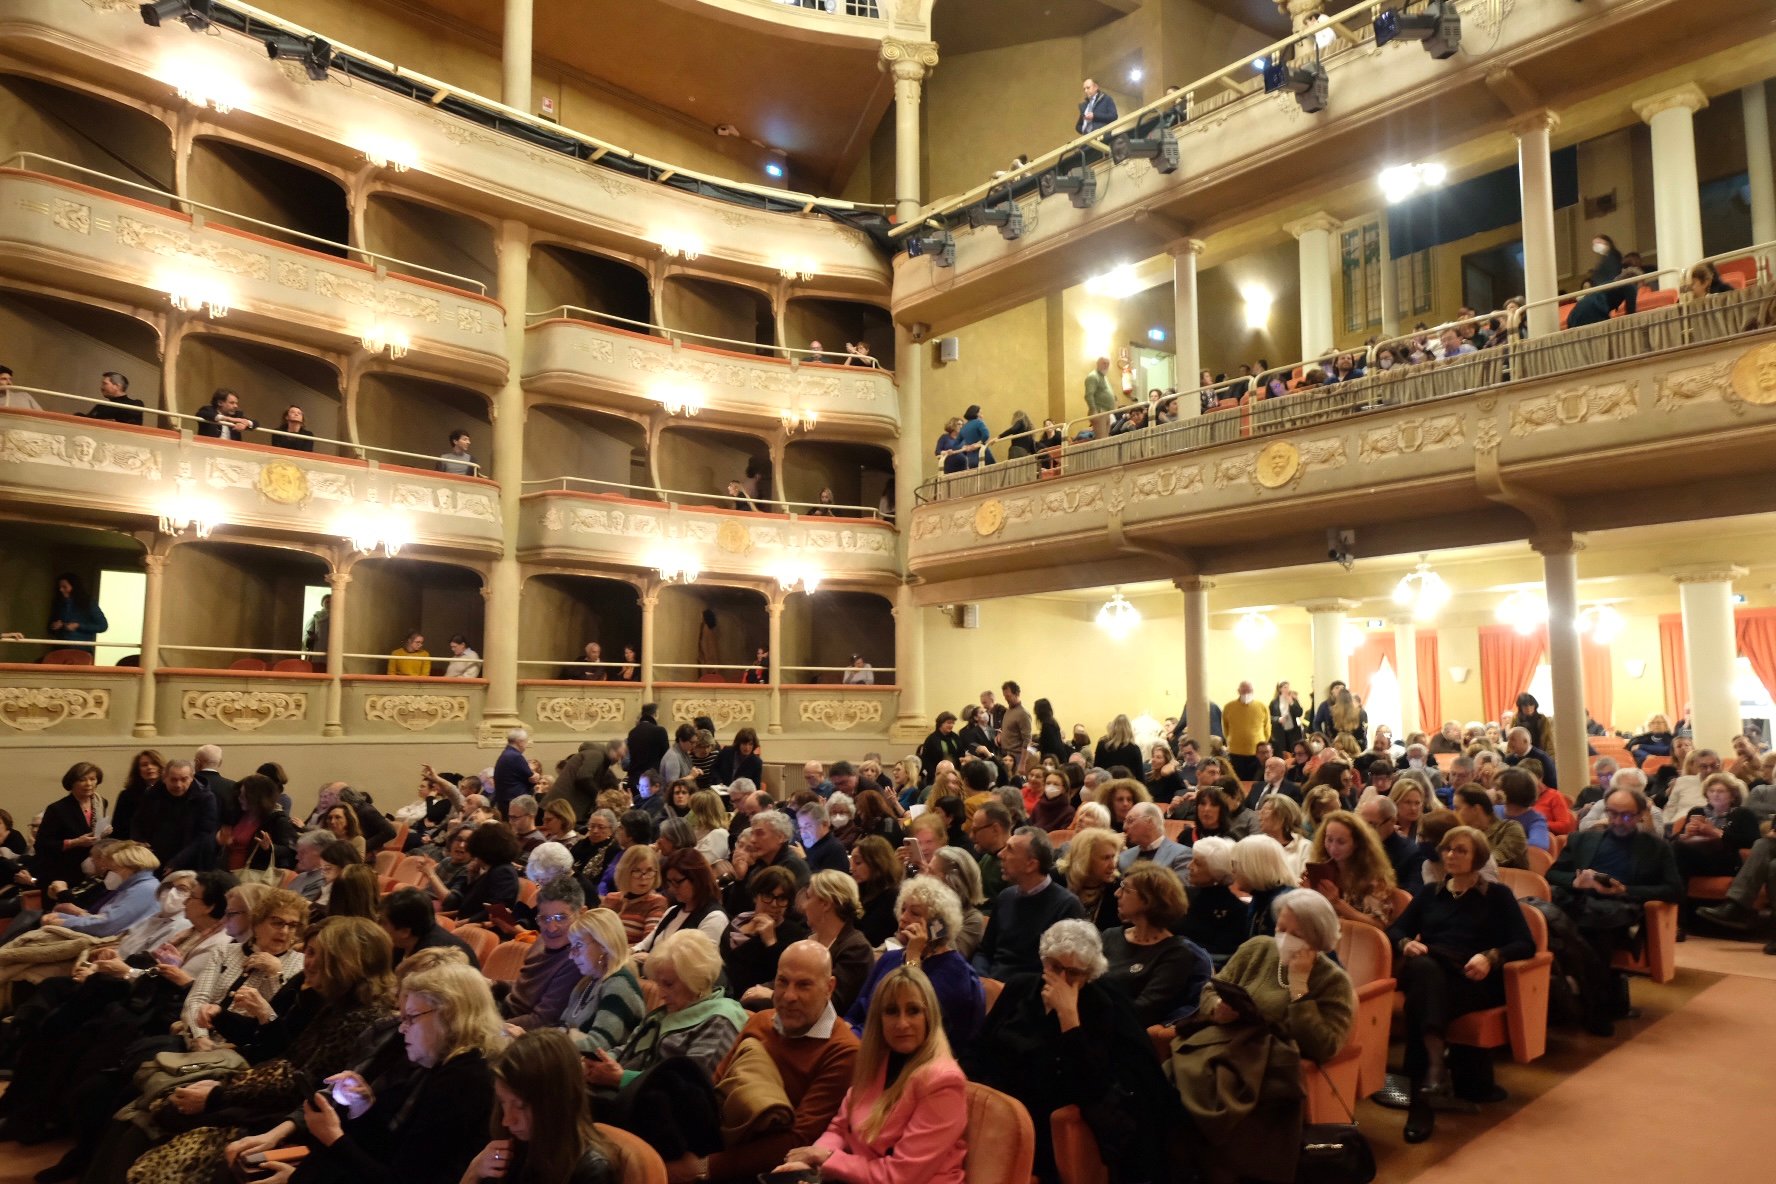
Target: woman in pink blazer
<point x="904" y="1130"/>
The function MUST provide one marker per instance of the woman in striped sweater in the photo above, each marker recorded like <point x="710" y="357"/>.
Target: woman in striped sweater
<point x="607" y="1004"/>
<point x="637" y="900"/>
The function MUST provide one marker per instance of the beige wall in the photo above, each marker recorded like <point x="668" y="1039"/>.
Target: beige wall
<point x="390" y="596"/>
<point x="698" y="460"/>
<point x="1224" y="339"/>
<point x="432" y="238"/>
<point x="982" y="109"/>
<point x="560" y="275"/>
<point x="827" y="628"/>
<point x="58" y="346"/>
<point x="417" y="416"/>
<point x="267" y="381"/>
<point x="717" y="309"/>
<point x="560" y="614"/>
<point x="560" y="442"/>
<point x="1003" y="366"/>
<point x="231" y="595"/>
<point x="269" y="188"/>
<point x="80" y="129"/>
<point x="742" y="626"/>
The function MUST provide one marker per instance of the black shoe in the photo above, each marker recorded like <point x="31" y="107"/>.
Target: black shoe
<point x="1421" y="1118"/>
<point x="1770" y="948"/>
<point x="1728" y="913"/>
<point x="1600" y="1025"/>
<point x="1490" y="1095"/>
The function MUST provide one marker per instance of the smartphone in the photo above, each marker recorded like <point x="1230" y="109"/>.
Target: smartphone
<point x="501" y="913"/>
<point x="258" y="1161"/>
<point x="1318" y="872"/>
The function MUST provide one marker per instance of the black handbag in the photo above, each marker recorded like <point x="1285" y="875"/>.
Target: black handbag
<point x="1335" y="1152"/>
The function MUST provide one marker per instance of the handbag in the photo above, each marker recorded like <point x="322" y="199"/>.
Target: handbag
<point x="1335" y="1152"/>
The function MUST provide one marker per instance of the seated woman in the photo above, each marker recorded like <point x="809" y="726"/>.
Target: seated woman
<point x="1164" y="780"/>
<point x="1054" y="811"/>
<point x="542" y="1127"/>
<point x="1654" y="741"/>
<point x="1320" y="801"/>
<point x="1260" y="872"/>
<point x="709" y="823"/>
<point x="1091" y="873"/>
<point x="1708" y="840"/>
<point x="1063" y="1038"/>
<point x="756" y="939"/>
<point x="1450" y="946"/>
<point x="1218" y="816"/>
<point x="830" y="906"/>
<point x="878" y="872"/>
<point x="637" y="900"/>
<point x="1301" y="999"/>
<point x="1280" y="818"/>
<point x="1163" y="974"/>
<point x="490" y="878"/>
<point x="903" y="1119"/>
<point x="417" y="1120"/>
<point x="962" y="875"/>
<point x="876" y="815"/>
<point x="129" y="899"/>
<point x="354" y="893"/>
<point x="927" y="833"/>
<point x="1349" y="868"/>
<point x="607" y="1004"/>
<point x="930" y="917"/>
<point x="1412" y="800"/>
<point x="1120" y="796"/>
<point x="347" y="987"/>
<point x="696" y="902"/>
<point x="342" y="822"/>
<point x="1217" y="920"/>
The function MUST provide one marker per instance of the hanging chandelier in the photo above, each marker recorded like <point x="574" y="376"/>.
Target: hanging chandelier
<point x="1601" y="623"/>
<point x="185" y="510"/>
<point x="1254" y="630"/>
<point x="1422" y="591"/>
<point x="1118" y="617"/>
<point x="1524" y="611"/>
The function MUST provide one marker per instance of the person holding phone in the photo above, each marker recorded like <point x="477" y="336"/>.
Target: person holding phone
<point x="542" y="1125"/>
<point x="930" y="918"/>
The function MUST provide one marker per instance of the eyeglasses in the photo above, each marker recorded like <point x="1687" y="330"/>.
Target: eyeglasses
<point x="413" y="1017"/>
<point x="774" y="899"/>
<point x="280" y="923"/>
<point x="676" y="881"/>
<point x="1623" y="815"/>
<point x="555" y="918"/>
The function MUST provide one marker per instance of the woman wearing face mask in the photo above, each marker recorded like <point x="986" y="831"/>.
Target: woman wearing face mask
<point x="1055" y="810"/>
<point x="1299" y="996"/>
<point x="1450" y="946"/>
<point x="129" y="893"/>
<point x="1595" y="307"/>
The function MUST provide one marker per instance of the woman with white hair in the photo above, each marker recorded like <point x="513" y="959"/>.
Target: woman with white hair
<point x="1294" y="1003"/>
<point x="930" y="919"/>
<point x="1260" y="872"/>
<point x="956" y="868"/>
<point x="1064" y="1038"/>
<point x="1217" y="920"/>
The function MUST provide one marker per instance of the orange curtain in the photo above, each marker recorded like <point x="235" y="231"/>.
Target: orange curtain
<point x="1430" y="686"/>
<point x="1671" y="660"/>
<point x="1365" y="662"/>
<point x="1757" y="641"/>
<point x="1508" y="661"/>
<point x="1600" y="694"/>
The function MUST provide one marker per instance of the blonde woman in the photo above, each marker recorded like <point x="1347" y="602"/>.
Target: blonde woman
<point x="832" y="908"/>
<point x="1091" y="873"/>
<point x="637" y="900"/>
<point x="1118" y="747"/>
<point x="1361" y="886"/>
<point x="709" y="822"/>
<point x="1316" y="803"/>
<point x="607" y="1003"/>
<point x="904" y="1125"/>
<point x="1280" y="818"/>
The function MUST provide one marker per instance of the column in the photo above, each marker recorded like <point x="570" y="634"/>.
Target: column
<point x="1301" y="13"/>
<point x="1566" y="665"/>
<point x="1331" y="663"/>
<point x="650" y="600"/>
<point x="515" y="61"/>
<point x="774" y="607"/>
<point x="1390" y="284"/>
<point x="909" y="62"/>
<point x="1313" y="235"/>
<point x="1711" y="650"/>
<point x="1757" y="164"/>
<point x="1541" y="271"/>
<point x="777" y="445"/>
<point x="1196" y="655"/>
<point x="909" y="666"/>
<point x="504" y="583"/>
<point x="338" y="580"/>
<point x="1187" y="360"/>
<point x="154" y="564"/>
<point x="1406" y="674"/>
<point x="1677" y="194"/>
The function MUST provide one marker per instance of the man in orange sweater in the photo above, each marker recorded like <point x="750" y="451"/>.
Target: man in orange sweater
<point x="812" y="1050"/>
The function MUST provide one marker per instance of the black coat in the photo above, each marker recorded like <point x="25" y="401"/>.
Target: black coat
<point x="226" y="793"/>
<point x="938" y="747"/>
<point x="426" y="1124"/>
<point x="648" y="743"/>
<point x="180" y="830"/>
<point x="63" y="821"/>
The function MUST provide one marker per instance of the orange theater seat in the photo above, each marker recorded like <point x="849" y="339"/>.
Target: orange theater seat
<point x="67" y="658"/>
<point x="1525" y="885"/>
<point x="293" y="666"/>
<point x="1077" y="1157"/>
<point x="386" y="861"/>
<point x="1000" y="1138"/>
<point x="1522" y="1022"/>
<point x="640" y="1163"/>
<point x="1540" y="861"/>
<point x="1658" y="961"/>
<point x="527" y="892"/>
<point x="506" y="960"/>
<point x="248" y="664"/>
<point x="1368" y="958"/>
<point x="991" y="988"/>
<point x="480" y="941"/>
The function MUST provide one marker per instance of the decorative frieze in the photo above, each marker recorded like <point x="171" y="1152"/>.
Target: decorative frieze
<point x="38" y="709"/>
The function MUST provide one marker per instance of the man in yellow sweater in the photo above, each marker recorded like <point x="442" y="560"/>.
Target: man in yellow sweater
<point x="1245" y="722"/>
<point x="412" y="658"/>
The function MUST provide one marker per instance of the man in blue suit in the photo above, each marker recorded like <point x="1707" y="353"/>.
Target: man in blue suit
<point x="1096" y="111"/>
<point x="1145" y="830"/>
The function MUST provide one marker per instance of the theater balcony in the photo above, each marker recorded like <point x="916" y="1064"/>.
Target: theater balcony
<point x="1664" y="416"/>
<point x="82" y="241"/>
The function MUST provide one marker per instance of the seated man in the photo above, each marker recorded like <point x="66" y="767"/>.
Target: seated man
<point x="1473" y="807"/>
<point x="549" y="974"/>
<point x="1604" y="878"/>
<point x="310" y="879"/>
<point x="1382" y="814"/>
<point x="1518" y="747"/>
<point x="767" y="843"/>
<point x="1144" y="828"/>
<point x="1596" y="819"/>
<point x="407" y="916"/>
<point x="1739" y="909"/>
<point x="810" y="1049"/>
<point x="1024" y="911"/>
<point x="1520" y="788"/>
<point x="823" y="851"/>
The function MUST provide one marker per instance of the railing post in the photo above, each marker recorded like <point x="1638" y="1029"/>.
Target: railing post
<point x="153" y="593"/>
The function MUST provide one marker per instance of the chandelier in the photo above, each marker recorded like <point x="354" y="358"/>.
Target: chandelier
<point x="1524" y="611"/>
<point x="185" y="510"/>
<point x="684" y="246"/>
<point x="379" y="337"/>
<point x="794" y="421"/>
<point x="385" y="153"/>
<point x="1601" y="623"/>
<point x="374" y="527"/>
<point x="1423" y="591"/>
<point x="796" y="269"/>
<point x="677" y="568"/>
<point x="678" y="398"/>
<point x="799" y="579"/>
<point x="1254" y="630"/>
<point x="1118" y="617"/>
<point x="198" y="293"/>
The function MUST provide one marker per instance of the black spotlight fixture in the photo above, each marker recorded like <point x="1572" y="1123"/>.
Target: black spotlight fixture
<point x="1307" y="83"/>
<point x="1438" y="28"/>
<point x="1008" y="217"/>
<point x="315" y="53"/>
<point x="193" y="14"/>
<point x="1161" y="148"/>
<point x="1080" y="184"/>
<point x="939" y="247"/>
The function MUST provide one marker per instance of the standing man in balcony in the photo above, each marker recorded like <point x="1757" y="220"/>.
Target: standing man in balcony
<point x="15" y="400"/>
<point x="1097" y="110"/>
<point x="118" y="407"/>
<point x="458" y="461"/>
<point x="222" y="419"/>
<point x="314" y="638"/>
<point x="1100" y="399"/>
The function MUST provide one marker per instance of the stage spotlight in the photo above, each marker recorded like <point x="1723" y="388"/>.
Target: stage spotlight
<point x="193" y="14"/>
<point x="941" y="247"/>
<point x="315" y="54"/>
<point x="1009" y="218"/>
<point x="1307" y="83"/>
<point x="1161" y="148"/>
<point x="1080" y="184"/>
<point x="1438" y="27"/>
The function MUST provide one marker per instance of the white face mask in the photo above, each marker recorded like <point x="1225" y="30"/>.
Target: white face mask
<point x="1245" y="696"/>
<point x="841" y="821"/>
<point x="1051" y="791"/>
<point x="1288" y="945"/>
<point x="113" y="880"/>
<point x="1600" y="248"/>
<point x="1386" y="362"/>
<point x="172" y="901"/>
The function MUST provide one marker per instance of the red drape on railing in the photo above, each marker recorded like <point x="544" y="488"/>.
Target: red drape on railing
<point x="1365" y="662"/>
<point x="1671" y="661"/>
<point x="1600" y="693"/>
<point x="1756" y="629"/>
<point x="1508" y="661"/>
<point x="1430" y="685"/>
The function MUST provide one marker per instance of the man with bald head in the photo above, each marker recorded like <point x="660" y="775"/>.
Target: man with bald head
<point x="208" y="761"/>
<point x="810" y="1049"/>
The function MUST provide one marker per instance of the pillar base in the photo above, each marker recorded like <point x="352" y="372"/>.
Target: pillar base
<point x="774" y="730"/>
<point x="909" y="728"/>
<point x="332" y="730"/>
<point x="145" y="731"/>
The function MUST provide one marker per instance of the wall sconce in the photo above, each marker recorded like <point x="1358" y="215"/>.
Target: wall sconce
<point x="193" y="293"/>
<point x="684" y="246"/>
<point x="678" y="398"/>
<point x="794" y="421"/>
<point x="1258" y="299"/>
<point x="797" y="269"/>
<point x="1118" y="617"/>
<point x="205" y="88"/>
<point x="677" y="568"/>
<point x="1458" y="674"/>
<point x="803" y="579"/>
<point x="1635" y="667"/>
<point x="184" y="510"/>
<point x="387" y="153"/>
<point x="378" y="338"/>
<point x="374" y="527"/>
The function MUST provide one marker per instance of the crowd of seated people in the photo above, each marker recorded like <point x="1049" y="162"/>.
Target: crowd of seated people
<point x="845" y="954"/>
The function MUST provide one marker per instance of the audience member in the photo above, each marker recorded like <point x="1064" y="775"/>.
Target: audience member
<point x="458" y="461"/>
<point x="1026" y="909"/>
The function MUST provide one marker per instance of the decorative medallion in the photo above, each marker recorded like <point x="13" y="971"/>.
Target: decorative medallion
<point x="1277" y="465"/>
<point x="37" y="709"/>
<point x="733" y="537"/>
<point x="989" y="517"/>
<point x="1754" y="377"/>
<point x="244" y="711"/>
<point x="841" y="715"/>
<point x="416" y="713"/>
<point x="581" y="713"/>
<point x="282" y="482"/>
<point x="725" y="712"/>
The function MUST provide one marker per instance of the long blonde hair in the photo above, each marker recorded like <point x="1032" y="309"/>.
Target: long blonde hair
<point x="1119" y="733"/>
<point x="873" y="1053"/>
<point x="1346" y="715"/>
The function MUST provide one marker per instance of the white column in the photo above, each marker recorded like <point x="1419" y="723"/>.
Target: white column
<point x="1390" y="284"/>
<point x="332" y="724"/>
<point x="515" y="57"/>
<point x="909" y="666"/>
<point x="1541" y="270"/>
<point x="909" y="461"/>
<point x="1331" y="661"/>
<point x="650" y="600"/>
<point x="1406" y="674"/>
<point x="153" y="590"/>
<point x="908" y="62"/>
<point x="505" y="582"/>
<point x="1196" y="655"/>
<point x="1677" y="194"/>
<point x="1187" y="358"/>
<point x="1566" y="666"/>
<point x="1757" y="163"/>
<point x="1711" y="650"/>
<point x="774" y="609"/>
<point x="1313" y="235"/>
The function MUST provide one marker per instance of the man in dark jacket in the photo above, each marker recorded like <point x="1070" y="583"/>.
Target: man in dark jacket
<point x="648" y="743"/>
<point x="824" y="852"/>
<point x="177" y="819"/>
<point x="1024" y="911"/>
<point x="585" y="775"/>
<point x="511" y="772"/>
<point x="1096" y="110"/>
<point x="208" y="762"/>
